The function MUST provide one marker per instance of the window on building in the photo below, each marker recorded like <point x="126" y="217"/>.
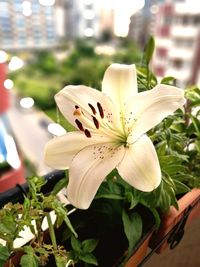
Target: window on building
<point x="161" y="52"/>
<point x="196" y="20"/>
<point x="183" y="43"/>
<point x="164" y="31"/>
<point x="167" y="20"/>
<point x="159" y="70"/>
<point x="185" y="20"/>
<point x="177" y="63"/>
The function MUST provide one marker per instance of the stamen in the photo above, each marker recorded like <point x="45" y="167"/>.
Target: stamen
<point x="92" y="108"/>
<point x="87" y="133"/>
<point x="100" y="110"/>
<point x="77" y="112"/>
<point x="96" y="122"/>
<point x="79" y="125"/>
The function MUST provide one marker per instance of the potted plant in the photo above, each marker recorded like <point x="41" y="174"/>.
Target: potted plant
<point x="111" y="129"/>
<point x="174" y="221"/>
<point x="120" y="180"/>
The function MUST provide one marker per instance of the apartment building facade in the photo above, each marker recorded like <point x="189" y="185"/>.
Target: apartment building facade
<point x="177" y="35"/>
<point x="28" y="24"/>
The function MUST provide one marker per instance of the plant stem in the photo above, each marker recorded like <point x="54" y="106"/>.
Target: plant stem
<point x="51" y="231"/>
<point x="148" y="78"/>
<point x="9" y="245"/>
<point x="39" y="231"/>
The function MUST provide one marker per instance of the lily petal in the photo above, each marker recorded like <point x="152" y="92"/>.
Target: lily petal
<point x="147" y="109"/>
<point x="140" y="166"/>
<point x="60" y="151"/>
<point x="88" y="170"/>
<point x="120" y="83"/>
<point x="87" y="99"/>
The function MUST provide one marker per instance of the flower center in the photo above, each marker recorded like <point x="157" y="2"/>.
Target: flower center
<point x="98" y="119"/>
<point x="84" y="120"/>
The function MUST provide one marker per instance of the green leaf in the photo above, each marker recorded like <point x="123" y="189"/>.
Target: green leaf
<point x="59" y="186"/>
<point x="8" y="225"/>
<point x="131" y="198"/>
<point x="180" y="187"/>
<point x="109" y="196"/>
<point x="173" y="169"/>
<point x="61" y="261"/>
<point x="132" y="228"/>
<point x="4" y="255"/>
<point x="168" y="80"/>
<point x="196" y="124"/>
<point x="164" y="200"/>
<point x="156" y="217"/>
<point x="89" y="258"/>
<point x="29" y="259"/>
<point x="76" y="245"/>
<point x="161" y="148"/>
<point x="89" y="245"/>
<point x="61" y="212"/>
<point x="173" y="199"/>
<point x="149" y="49"/>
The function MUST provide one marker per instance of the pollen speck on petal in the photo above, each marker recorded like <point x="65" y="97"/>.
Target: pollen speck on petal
<point x="77" y="112"/>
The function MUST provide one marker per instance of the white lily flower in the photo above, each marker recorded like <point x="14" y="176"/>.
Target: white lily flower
<point x="111" y="133"/>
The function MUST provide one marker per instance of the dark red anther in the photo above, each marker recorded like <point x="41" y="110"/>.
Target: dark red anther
<point x="76" y="107"/>
<point x="96" y="122"/>
<point x="92" y="108"/>
<point x="87" y="133"/>
<point x="79" y="125"/>
<point x="100" y="110"/>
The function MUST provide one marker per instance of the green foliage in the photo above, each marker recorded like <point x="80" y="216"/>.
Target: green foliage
<point x="45" y="61"/>
<point x="132" y="227"/>
<point x="36" y="206"/>
<point x="168" y="80"/>
<point x="29" y="258"/>
<point x="149" y="49"/>
<point x="83" y="250"/>
<point x="128" y="52"/>
<point x="4" y="255"/>
<point x="193" y="94"/>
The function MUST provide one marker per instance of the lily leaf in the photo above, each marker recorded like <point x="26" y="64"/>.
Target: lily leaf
<point x="149" y="49"/>
<point x="89" y="245"/>
<point x="76" y="245"/>
<point x="132" y="228"/>
<point x="168" y="80"/>
<point x="59" y="186"/>
<point x="180" y="187"/>
<point x="89" y="258"/>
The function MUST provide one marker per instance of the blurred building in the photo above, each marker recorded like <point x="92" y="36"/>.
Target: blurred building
<point x="30" y="24"/>
<point x="83" y="18"/>
<point x="176" y="27"/>
<point x="140" y="23"/>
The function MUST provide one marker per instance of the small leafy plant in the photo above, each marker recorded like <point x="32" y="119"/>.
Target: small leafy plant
<point x="15" y="218"/>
